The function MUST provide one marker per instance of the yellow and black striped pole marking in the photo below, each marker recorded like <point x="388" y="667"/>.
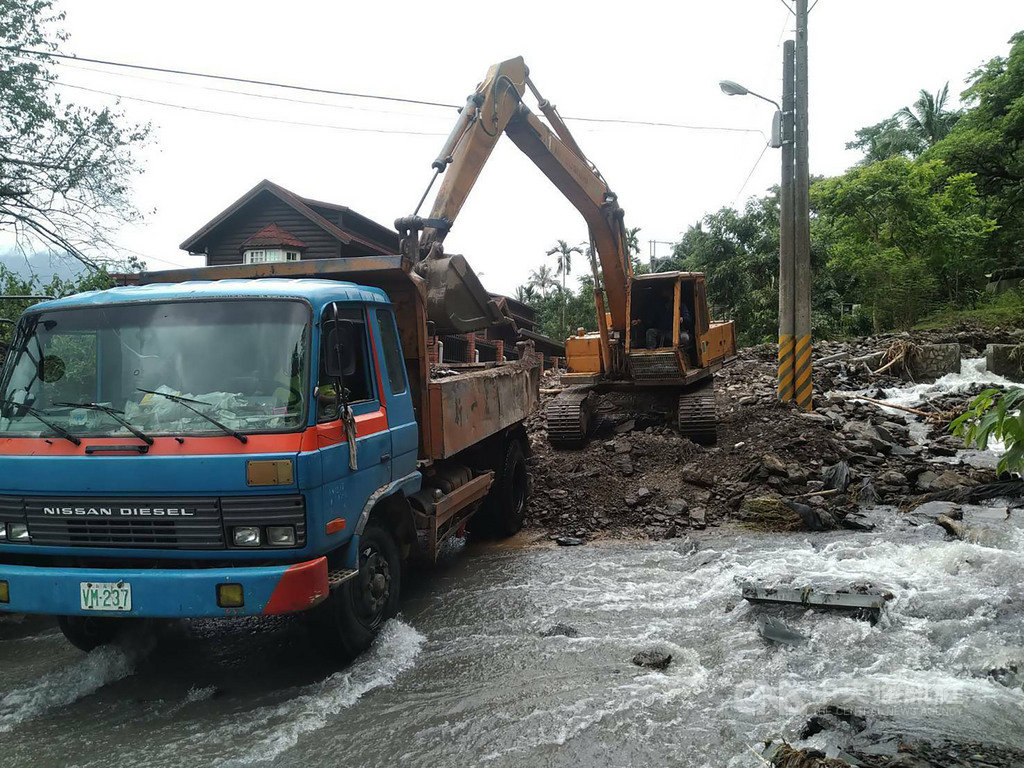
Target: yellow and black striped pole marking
<point x="803" y="391"/>
<point x="786" y="343"/>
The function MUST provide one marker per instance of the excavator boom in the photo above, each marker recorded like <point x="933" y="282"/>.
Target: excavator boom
<point x="496" y="107"/>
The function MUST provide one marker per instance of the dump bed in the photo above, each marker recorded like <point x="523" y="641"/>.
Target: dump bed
<point x="453" y="413"/>
<point x="466" y="408"/>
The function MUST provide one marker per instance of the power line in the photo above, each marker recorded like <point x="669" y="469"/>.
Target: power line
<point x="351" y="94"/>
<point x="247" y="117"/>
<point x="788" y="7"/>
<point x="749" y="175"/>
<point x="76" y="67"/>
<point x="46" y="54"/>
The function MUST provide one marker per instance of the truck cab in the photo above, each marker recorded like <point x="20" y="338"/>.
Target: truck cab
<point x="226" y="447"/>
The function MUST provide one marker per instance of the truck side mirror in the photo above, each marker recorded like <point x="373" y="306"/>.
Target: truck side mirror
<point x="339" y="349"/>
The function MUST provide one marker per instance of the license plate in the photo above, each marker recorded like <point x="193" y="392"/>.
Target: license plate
<point x="106" y="596"/>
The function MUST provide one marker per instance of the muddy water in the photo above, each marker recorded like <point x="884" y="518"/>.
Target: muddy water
<point x="464" y="678"/>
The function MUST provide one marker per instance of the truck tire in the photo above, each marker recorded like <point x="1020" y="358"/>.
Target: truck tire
<point x="504" y="509"/>
<point x="89" y="632"/>
<point x="346" y="623"/>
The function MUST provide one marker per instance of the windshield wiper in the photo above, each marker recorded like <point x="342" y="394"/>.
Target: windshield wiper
<point x="38" y="415"/>
<point x="115" y="415"/>
<point x="185" y="401"/>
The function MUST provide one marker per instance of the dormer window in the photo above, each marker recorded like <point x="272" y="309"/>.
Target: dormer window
<point x="272" y="244"/>
<point x="268" y="255"/>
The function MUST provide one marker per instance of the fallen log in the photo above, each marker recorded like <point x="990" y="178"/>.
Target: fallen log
<point x="926" y="414"/>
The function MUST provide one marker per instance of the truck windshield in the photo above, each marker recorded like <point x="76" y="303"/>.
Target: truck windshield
<point x="244" y="362"/>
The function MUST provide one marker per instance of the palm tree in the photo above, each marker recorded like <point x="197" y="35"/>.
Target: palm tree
<point x="525" y="293"/>
<point x="542" y="279"/>
<point x="563" y="265"/>
<point x="928" y="119"/>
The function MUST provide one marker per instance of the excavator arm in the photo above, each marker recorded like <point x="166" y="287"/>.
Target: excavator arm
<point x="496" y="107"/>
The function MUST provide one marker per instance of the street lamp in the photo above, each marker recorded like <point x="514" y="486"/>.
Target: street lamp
<point x="731" y="88"/>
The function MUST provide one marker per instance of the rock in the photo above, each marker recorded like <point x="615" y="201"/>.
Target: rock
<point x="625" y="426"/>
<point x="867" y="494"/>
<point x="558" y="494"/>
<point x="643" y="494"/>
<point x="774" y="465"/>
<point x="926" y="480"/>
<point x="624" y="466"/>
<point x="623" y="446"/>
<point x="560" y="630"/>
<point x="951" y="526"/>
<point x="892" y="477"/>
<point x="775" y="630"/>
<point x="837" y="477"/>
<point x="677" y="507"/>
<point x="653" y="659"/>
<point x="568" y="541"/>
<point x="698" y="518"/>
<point x="813" y="519"/>
<point x="858" y="521"/>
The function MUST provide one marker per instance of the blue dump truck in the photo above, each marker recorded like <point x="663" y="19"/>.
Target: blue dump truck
<point x="250" y="440"/>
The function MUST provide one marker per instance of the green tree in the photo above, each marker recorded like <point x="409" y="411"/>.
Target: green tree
<point x="988" y="141"/>
<point x="542" y="279"/>
<point x="13" y="284"/>
<point x="928" y="119"/>
<point x="64" y="169"/>
<point x="563" y="252"/>
<point x="886" y="139"/>
<point x="907" y="233"/>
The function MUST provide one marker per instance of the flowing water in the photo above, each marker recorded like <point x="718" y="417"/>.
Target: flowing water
<point x="464" y="676"/>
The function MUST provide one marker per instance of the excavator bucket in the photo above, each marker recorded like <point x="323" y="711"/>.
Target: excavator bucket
<point x="456" y="300"/>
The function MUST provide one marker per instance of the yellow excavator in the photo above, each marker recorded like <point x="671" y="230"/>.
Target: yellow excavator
<point x="654" y="332"/>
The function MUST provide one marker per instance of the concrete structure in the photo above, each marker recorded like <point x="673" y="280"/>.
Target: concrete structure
<point x="1002" y="360"/>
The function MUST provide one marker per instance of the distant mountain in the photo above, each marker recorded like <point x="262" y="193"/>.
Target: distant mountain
<point x="42" y="265"/>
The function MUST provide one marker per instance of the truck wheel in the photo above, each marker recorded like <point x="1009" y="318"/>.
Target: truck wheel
<point x="347" y="622"/>
<point x="89" y="632"/>
<point x="504" y="510"/>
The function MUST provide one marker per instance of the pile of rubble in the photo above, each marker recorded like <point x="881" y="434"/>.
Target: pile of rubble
<point x="774" y="467"/>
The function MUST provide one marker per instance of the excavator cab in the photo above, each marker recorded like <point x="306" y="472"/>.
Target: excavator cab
<point x="668" y="338"/>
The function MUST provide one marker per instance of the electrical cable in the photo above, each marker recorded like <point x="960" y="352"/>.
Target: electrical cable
<point x="351" y="94"/>
<point x="142" y="78"/>
<point x="751" y="174"/>
<point x="248" y="117"/>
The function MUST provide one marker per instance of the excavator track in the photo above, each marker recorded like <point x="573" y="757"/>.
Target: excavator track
<point x="568" y="417"/>
<point x="697" y="419"/>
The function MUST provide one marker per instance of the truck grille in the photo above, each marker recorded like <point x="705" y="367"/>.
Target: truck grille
<point x="180" y="523"/>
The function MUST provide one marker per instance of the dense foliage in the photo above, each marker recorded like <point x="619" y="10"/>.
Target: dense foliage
<point x="996" y="415"/>
<point x="13" y="284"/>
<point x="936" y="204"/>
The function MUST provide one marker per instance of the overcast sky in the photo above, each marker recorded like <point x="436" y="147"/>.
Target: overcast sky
<point x="656" y="61"/>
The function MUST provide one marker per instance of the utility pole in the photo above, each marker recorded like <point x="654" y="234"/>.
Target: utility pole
<point x="787" y="316"/>
<point x="802" y="230"/>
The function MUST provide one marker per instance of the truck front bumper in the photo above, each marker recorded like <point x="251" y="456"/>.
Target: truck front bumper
<point x="168" y="593"/>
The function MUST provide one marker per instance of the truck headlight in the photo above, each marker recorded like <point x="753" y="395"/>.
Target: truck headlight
<point x="17" y="532"/>
<point x="281" y="536"/>
<point x="245" y="536"/>
<point x="3" y="532"/>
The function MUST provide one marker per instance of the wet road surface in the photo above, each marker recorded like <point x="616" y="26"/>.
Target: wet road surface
<point x="464" y="677"/>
